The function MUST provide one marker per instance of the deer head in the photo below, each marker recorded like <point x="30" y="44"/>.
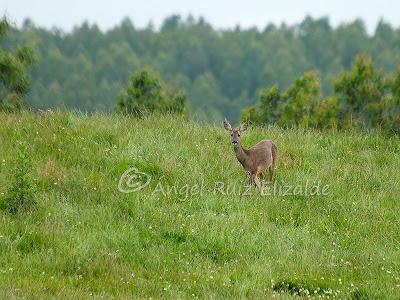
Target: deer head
<point x="235" y="133"/>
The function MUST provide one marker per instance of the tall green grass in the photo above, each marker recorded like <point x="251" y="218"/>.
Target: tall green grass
<point x="81" y="237"/>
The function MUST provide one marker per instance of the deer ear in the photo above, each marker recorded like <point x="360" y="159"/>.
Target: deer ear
<point x="227" y="126"/>
<point x="243" y="127"/>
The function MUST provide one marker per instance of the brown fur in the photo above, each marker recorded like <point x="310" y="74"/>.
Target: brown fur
<point x="256" y="159"/>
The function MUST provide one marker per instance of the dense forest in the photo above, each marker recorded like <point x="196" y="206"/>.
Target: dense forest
<point x="221" y="71"/>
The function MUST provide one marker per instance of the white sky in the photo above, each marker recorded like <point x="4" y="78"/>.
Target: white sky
<point x="221" y="14"/>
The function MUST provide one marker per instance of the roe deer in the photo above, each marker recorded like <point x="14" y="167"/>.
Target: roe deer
<point x="255" y="159"/>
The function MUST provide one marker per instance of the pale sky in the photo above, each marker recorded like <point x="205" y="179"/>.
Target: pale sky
<point x="221" y="14"/>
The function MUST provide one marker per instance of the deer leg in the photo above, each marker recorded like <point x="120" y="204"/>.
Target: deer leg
<point x="249" y="178"/>
<point x="258" y="183"/>
<point x="272" y="165"/>
<point x="271" y="174"/>
<point x="261" y="175"/>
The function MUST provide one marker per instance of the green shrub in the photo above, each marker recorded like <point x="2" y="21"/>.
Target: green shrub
<point x="14" y="77"/>
<point x="364" y="98"/>
<point x="20" y="194"/>
<point x="301" y="105"/>
<point x="146" y="94"/>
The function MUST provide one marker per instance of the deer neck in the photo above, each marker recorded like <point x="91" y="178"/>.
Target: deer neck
<point x="241" y="153"/>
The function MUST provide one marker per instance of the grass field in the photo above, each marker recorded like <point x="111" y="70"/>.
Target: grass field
<point x="81" y="237"/>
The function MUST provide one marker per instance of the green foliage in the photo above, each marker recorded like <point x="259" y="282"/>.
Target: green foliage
<point x="390" y="112"/>
<point x="301" y="105"/>
<point x="361" y="90"/>
<point x="368" y="98"/>
<point x="14" y="77"/>
<point x="363" y="98"/>
<point x="299" y="101"/>
<point x="266" y="112"/>
<point x="20" y="194"/>
<point x="221" y="70"/>
<point x="146" y="94"/>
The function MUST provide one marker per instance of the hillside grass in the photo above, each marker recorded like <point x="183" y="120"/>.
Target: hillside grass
<point x="83" y="238"/>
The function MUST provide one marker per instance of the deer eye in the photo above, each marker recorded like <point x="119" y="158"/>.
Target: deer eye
<point x="238" y="134"/>
<point x="231" y="134"/>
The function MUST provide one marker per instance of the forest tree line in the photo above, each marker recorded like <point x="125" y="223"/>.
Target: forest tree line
<point x="222" y="71"/>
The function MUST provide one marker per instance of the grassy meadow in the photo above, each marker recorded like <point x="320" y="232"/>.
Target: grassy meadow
<point x="79" y="237"/>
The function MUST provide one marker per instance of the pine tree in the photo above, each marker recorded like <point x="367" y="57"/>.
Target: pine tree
<point x="145" y="94"/>
<point x="14" y="77"/>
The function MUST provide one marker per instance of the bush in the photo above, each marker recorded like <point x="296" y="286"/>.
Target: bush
<point x="14" y="77"/>
<point x="301" y="105"/>
<point x="364" y="98"/>
<point x="20" y="194"/>
<point x="146" y="94"/>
